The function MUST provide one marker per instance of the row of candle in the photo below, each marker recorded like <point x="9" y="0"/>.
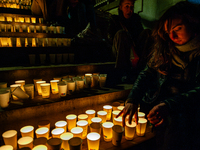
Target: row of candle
<point x="21" y="19"/>
<point x="79" y="129"/>
<point x="34" y="42"/>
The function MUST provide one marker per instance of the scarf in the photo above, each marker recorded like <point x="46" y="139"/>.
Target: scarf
<point x="192" y="48"/>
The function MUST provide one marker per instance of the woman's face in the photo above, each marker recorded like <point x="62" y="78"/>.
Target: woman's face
<point x="127" y="8"/>
<point x="178" y="32"/>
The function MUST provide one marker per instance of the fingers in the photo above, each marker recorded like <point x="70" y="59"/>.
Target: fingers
<point x="136" y="117"/>
<point x="158" y="124"/>
<point x="130" y="117"/>
<point x="120" y="113"/>
<point x="124" y="117"/>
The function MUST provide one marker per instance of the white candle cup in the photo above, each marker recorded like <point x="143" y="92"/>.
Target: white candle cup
<point x="40" y="141"/>
<point x="4" y="99"/>
<point x="2" y="18"/>
<point x="95" y="127"/>
<point x="26" y="141"/>
<point x="95" y="81"/>
<point x="141" y="127"/>
<point x="35" y="85"/>
<point x="42" y="132"/>
<point x="114" y="114"/>
<point x="83" y="117"/>
<point x="84" y="125"/>
<point x="91" y="114"/>
<point x="141" y="115"/>
<point x="96" y="120"/>
<point x="102" y="114"/>
<point x="38" y="29"/>
<point x="62" y="90"/>
<point x="108" y="109"/>
<point x="21" y="19"/>
<point x="93" y="141"/>
<point x="75" y="143"/>
<point x="45" y="89"/>
<point x="117" y="132"/>
<point x="22" y="82"/>
<point x="10" y="138"/>
<point x="6" y="147"/>
<point x="6" y="90"/>
<point x="56" y="133"/>
<point x="54" y="86"/>
<point x="18" y="42"/>
<point x="59" y="58"/>
<point x="44" y="29"/>
<point x="118" y="121"/>
<point x="54" y="144"/>
<point x="39" y="87"/>
<point x="61" y="124"/>
<point x="130" y="130"/>
<point x="12" y="88"/>
<point x="71" y="121"/>
<point x="107" y="131"/>
<point x="33" y="20"/>
<point x="3" y="27"/>
<point x="77" y="131"/>
<point x="80" y="84"/>
<point x="65" y="137"/>
<point x="19" y="93"/>
<point x="70" y="87"/>
<point x="44" y="123"/>
<point x="9" y="28"/>
<point x="9" y="19"/>
<point x="32" y="29"/>
<point x="27" y="20"/>
<point x="102" y="80"/>
<point x="40" y="147"/>
<point x="42" y="58"/>
<point x="120" y="108"/>
<point x="27" y="131"/>
<point x="115" y="105"/>
<point x="24" y="28"/>
<point x="127" y="118"/>
<point x="29" y="89"/>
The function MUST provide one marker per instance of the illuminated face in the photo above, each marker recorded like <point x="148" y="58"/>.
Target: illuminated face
<point x="178" y="32"/>
<point x="127" y="8"/>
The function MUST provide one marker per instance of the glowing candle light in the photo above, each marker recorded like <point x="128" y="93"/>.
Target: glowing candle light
<point x="39" y="87"/>
<point x="118" y="121"/>
<point x="84" y="125"/>
<point x="40" y="147"/>
<point x="26" y="141"/>
<point x="91" y="114"/>
<point x="108" y="109"/>
<point x="102" y="114"/>
<point x="57" y="132"/>
<point x="6" y="147"/>
<point x="130" y="130"/>
<point x="71" y="121"/>
<point x="107" y="131"/>
<point x="54" y="86"/>
<point x="141" y="127"/>
<point x="10" y="138"/>
<point x="77" y="131"/>
<point x="93" y="141"/>
<point x="114" y="114"/>
<point x="42" y="132"/>
<point x="65" y="137"/>
<point x="96" y="120"/>
<point x="27" y="131"/>
<point x="83" y="117"/>
<point x="61" y="124"/>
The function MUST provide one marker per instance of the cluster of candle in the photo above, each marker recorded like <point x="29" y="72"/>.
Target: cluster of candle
<point x="74" y="129"/>
<point x="66" y="85"/>
<point x="34" y="42"/>
<point x="17" y="4"/>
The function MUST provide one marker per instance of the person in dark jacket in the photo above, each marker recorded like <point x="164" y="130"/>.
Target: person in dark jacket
<point x="168" y="89"/>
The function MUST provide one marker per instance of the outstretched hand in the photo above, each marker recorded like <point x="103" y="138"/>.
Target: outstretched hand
<point x="129" y="109"/>
<point x="158" y="114"/>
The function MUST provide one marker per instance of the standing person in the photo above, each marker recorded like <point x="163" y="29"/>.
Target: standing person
<point x="168" y="89"/>
<point x="123" y="32"/>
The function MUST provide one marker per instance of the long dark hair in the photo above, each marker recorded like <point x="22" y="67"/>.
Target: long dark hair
<point x="163" y="47"/>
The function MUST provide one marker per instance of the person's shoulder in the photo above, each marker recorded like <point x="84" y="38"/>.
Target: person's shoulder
<point x="136" y="17"/>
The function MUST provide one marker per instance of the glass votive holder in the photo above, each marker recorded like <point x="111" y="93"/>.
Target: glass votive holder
<point x="102" y="114"/>
<point x="96" y="120"/>
<point x="141" y="126"/>
<point x="26" y="141"/>
<point x="83" y="117"/>
<point x="42" y="132"/>
<point x="57" y="132"/>
<point x="115" y="105"/>
<point x="12" y="88"/>
<point x="45" y="90"/>
<point x="40" y="147"/>
<point x="71" y="121"/>
<point x="61" y="124"/>
<point x="71" y="87"/>
<point x="120" y="108"/>
<point x="10" y="138"/>
<point x="84" y="125"/>
<point x="91" y="114"/>
<point x="95" y="127"/>
<point x="75" y="143"/>
<point x="107" y="131"/>
<point x="33" y="20"/>
<point x="27" y="131"/>
<point x="40" y="141"/>
<point x="117" y="132"/>
<point x="108" y="109"/>
<point x="54" y="86"/>
<point x="29" y="89"/>
<point x="118" y="121"/>
<point x="62" y="88"/>
<point x="65" y="137"/>
<point x="93" y="141"/>
<point x="130" y="130"/>
<point x="114" y="114"/>
<point x="27" y="20"/>
<point x="39" y="87"/>
<point x="35" y="84"/>
<point x="6" y="147"/>
<point x="77" y="131"/>
<point x="54" y="144"/>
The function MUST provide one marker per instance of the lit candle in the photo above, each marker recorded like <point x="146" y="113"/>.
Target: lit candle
<point x="42" y="132"/>
<point x="77" y="131"/>
<point x="21" y="19"/>
<point x="120" y="108"/>
<point x="84" y="125"/>
<point x="9" y="19"/>
<point x="91" y="114"/>
<point x="12" y="88"/>
<point x="96" y="120"/>
<point x="26" y="141"/>
<point x="45" y="89"/>
<point x="114" y="114"/>
<point x="108" y="109"/>
<point x="93" y="141"/>
<point x="54" y="86"/>
<point x="118" y="121"/>
<point x="6" y="147"/>
<point x="130" y="130"/>
<point x="39" y="87"/>
<point x="71" y="121"/>
<point x="141" y="126"/>
<point x="61" y="124"/>
<point x="27" y="131"/>
<point x="33" y="20"/>
<point x="22" y="82"/>
<point x="40" y="147"/>
<point x="102" y="114"/>
<point x="141" y="115"/>
<point x="65" y="137"/>
<point x="83" y="117"/>
<point x="10" y="138"/>
<point x="107" y="131"/>
<point x="57" y="132"/>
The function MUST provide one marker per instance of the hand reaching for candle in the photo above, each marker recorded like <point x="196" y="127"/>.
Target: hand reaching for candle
<point x="129" y="109"/>
<point x="158" y="114"/>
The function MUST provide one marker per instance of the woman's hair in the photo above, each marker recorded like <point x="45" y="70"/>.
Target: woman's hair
<point x="163" y="47"/>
